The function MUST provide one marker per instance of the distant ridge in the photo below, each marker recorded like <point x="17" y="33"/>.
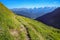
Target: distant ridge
<point x="33" y="13"/>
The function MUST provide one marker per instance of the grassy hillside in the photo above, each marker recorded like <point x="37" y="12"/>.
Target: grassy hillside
<point x="14" y="27"/>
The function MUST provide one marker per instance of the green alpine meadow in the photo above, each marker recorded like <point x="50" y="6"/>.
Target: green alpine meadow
<point x="15" y="27"/>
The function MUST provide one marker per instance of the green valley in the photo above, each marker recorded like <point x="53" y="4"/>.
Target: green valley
<point x="14" y="27"/>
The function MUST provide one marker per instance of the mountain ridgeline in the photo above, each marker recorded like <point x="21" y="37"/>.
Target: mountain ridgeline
<point x="52" y="18"/>
<point x="33" y="13"/>
<point x="14" y="27"/>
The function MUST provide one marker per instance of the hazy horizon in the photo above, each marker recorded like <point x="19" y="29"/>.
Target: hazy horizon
<point x="30" y="3"/>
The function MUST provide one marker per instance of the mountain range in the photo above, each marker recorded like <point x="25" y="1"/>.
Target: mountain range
<point x="15" y="27"/>
<point x="33" y="12"/>
<point x="51" y="18"/>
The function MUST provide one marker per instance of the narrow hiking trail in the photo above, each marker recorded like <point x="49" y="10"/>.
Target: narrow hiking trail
<point x="27" y="27"/>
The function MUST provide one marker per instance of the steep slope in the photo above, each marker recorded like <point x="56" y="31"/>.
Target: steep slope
<point x="52" y="18"/>
<point x="14" y="27"/>
<point x="10" y="26"/>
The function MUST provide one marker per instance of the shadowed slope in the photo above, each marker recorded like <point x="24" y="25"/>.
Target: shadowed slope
<point x="52" y="18"/>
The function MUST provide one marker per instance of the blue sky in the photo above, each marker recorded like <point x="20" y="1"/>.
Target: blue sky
<point x="30" y="3"/>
